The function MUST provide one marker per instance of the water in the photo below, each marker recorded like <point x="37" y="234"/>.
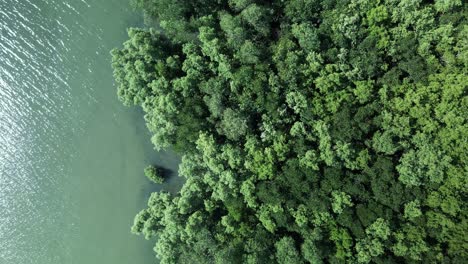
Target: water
<point x="71" y="156"/>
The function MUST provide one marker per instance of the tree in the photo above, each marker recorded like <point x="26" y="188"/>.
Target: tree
<point x="286" y="252"/>
<point x="154" y="174"/>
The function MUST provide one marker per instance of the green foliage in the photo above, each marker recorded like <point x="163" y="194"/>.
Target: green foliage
<point x="413" y="209"/>
<point x="310" y="131"/>
<point x="286" y="251"/>
<point x="233" y="125"/>
<point x="340" y="201"/>
<point x="154" y="174"/>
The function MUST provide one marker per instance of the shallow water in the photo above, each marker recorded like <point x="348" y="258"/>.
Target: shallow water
<point x="71" y="156"/>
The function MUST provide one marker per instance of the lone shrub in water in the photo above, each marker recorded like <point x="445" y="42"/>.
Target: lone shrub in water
<point x="154" y="174"/>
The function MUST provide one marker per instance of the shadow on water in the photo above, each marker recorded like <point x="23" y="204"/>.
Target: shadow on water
<point x="166" y="173"/>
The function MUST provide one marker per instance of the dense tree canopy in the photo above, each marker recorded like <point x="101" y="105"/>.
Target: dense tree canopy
<point x="310" y="131"/>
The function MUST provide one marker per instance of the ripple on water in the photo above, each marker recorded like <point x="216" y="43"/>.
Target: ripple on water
<point x="35" y="103"/>
<point x="70" y="158"/>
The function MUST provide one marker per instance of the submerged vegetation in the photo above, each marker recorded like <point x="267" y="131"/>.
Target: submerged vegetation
<point x="310" y="131"/>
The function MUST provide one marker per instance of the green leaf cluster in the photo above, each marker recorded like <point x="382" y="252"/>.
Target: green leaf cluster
<point x="154" y="174"/>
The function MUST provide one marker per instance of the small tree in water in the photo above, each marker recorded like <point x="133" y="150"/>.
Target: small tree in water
<point x="154" y="174"/>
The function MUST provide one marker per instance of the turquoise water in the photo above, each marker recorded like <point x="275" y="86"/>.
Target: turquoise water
<point x="71" y="156"/>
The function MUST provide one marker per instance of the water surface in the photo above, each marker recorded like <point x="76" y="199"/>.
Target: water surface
<point x="71" y="156"/>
